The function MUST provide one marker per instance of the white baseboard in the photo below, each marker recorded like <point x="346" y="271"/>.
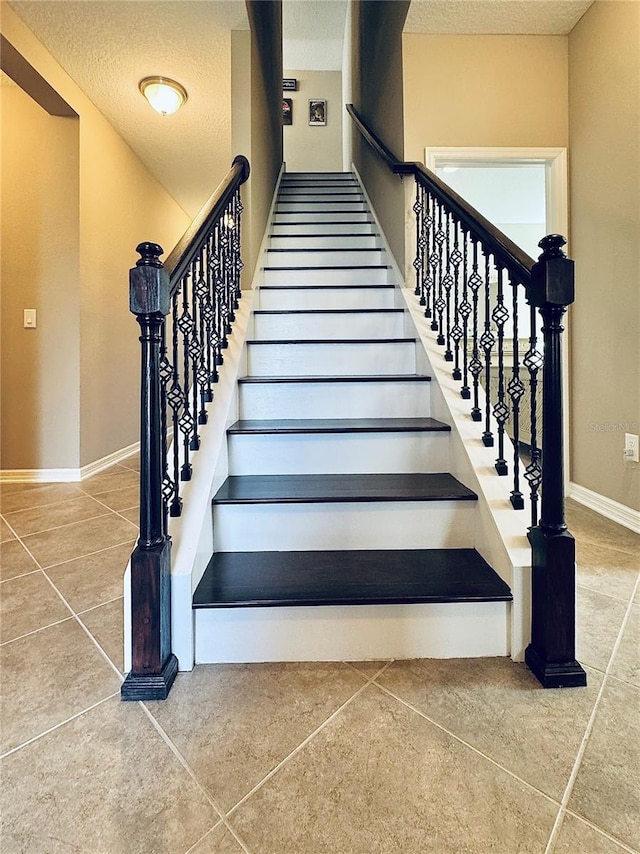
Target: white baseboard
<point x="67" y="475"/>
<point x="620" y="513"/>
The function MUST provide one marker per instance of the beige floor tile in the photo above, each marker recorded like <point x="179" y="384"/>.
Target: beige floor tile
<point x="15" y="560"/>
<point x="607" y="570"/>
<point x="82" y="538"/>
<point x="380" y="778"/>
<point x="28" y="603"/>
<point x="48" y="677"/>
<point x="37" y="519"/>
<point x="576" y="837"/>
<point x="120" y="499"/>
<point x="105" y="783"/>
<point x="6" y="533"/>
<point x="607" y="787"/>
<point x="368" y="668"/>
<point x="38" y="496"/>
<point x="219" y="841"/>
<point x="133" y="515"/>
<point x="235" y="723"/>
<point x="132" y="462"/>
<point x="94" y="579"/>
<point x="588" y="526"/>
<point x="599" y="620"/>
<point x="106" y="624"/>
<point x="626" y="664"/>
<point x="501" y="709"/>
<point x="117" y="477"/>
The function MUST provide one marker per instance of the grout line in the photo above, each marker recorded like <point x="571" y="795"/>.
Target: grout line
<point x="602" y="592"/>
<point x="119" y="512"/>
<point x="589" y="728"/>
<point x="66" y="525"/>
<point x="22" y="575"/>
<point x="78" y="557"/>
<point x="38" y="630"/>
<point x="181" y="759"/>
<point x="602" y="832"/>
<point x="57" y="726"/>
<point x="85" y="629"/>
<point x="304" y="743"/>
<point x="100" y="605"/>
<point x="467" y="744"/>
<point x="218" y="824"/>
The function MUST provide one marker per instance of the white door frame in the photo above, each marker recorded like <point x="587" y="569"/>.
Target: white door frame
<point x="557" y="220"/>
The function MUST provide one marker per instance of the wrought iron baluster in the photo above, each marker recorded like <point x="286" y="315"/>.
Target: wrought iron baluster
<point x="465" y="311"/>
<point x="500" y="315"/>
<point x="487" y="341"/>
<point x="440" y="305"/>
<point x="533" y="361"/>
<point x="447" y="284"/>
<point x="516" y="389"/>
<point x="175" y="399"/>
<point x="456" y="331"/>
<point x="428" y="244"/>
<point x="186" y="421"/>
<point x="418" y="263"/>
<point x="202" y="370"/>
<point x="237" y="234"/>
<point x="475" y="365"/>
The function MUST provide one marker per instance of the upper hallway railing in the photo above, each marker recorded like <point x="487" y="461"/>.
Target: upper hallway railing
<point x="185" y="309"/>
<point x="498" y="315"/>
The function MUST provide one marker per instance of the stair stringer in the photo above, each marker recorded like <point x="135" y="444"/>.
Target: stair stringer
<point x="500" y="531"/>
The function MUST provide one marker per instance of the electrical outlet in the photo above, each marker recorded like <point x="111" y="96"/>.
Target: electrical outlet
<point x="631" y="447"/>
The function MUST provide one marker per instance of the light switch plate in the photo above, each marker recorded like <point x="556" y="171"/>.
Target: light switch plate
<point x="29" y="318"/>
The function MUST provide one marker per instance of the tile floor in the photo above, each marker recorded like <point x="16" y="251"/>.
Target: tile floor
<point x="451" y="757"/>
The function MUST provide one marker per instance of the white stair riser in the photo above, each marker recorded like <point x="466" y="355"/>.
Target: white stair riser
<point x="348" y="325"/>
<point x="320" y="276"/>
<point x="328" y="241"/>
<point x="325" y="257"/>
<point x="335" y="400"/>
<point x="322" y="216"/>
<point x="352" y="633"/>
<point x="292" y="228"/>
<point x="289" y="299"/>
<point x="354" y="525"/>
<point x="320" y="207"/>
<point x="337" y="453"/>
<point x="365" y="359"/>
<point x="328" y="195"/>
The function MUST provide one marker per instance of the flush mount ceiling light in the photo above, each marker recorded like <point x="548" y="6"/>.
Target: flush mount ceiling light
<point x="165" y="96"/>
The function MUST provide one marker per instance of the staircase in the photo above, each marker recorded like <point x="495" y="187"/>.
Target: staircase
<point x="339" y="533"/>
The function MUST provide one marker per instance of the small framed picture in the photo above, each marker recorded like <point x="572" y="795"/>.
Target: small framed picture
<point x="287" y="111"/>
<point x="317" y="112"/>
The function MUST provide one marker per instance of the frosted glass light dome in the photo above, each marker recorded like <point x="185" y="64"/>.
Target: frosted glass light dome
<point x="165" y="96"/>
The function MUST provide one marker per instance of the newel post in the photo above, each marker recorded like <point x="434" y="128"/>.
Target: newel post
<point x="153" y="666"/>
<point x="551" y="653"/>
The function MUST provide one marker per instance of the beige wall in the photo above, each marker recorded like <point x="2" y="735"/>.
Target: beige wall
<point x="604" y="124"/>
<point x="484" y="91"/>
<point x="377" y="80"/>
<point x="308" y="148"/>
<point x="39" y="269"/>
<point x="265" y="17"/>
<point x="119" y="205"/>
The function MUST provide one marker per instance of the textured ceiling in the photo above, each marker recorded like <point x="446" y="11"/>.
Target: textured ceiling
<point x="107" y="47"/>
<point x="313" y="34"/>
<point x="516" y="17"/>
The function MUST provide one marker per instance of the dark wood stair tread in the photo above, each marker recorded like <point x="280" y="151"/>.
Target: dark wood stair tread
<point x="339" y="488"/>
<point x="297" y="311"/>
<point x="285" y="341"/>
<point x="263" y="579"/>
<point x="339" y="425"/>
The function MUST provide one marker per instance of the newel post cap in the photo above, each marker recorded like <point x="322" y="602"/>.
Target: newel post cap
<point x="552" y="276"/>
<point x="149" y="287"/>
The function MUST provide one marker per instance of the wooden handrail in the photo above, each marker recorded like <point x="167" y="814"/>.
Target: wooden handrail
<point x="502" y="247"/>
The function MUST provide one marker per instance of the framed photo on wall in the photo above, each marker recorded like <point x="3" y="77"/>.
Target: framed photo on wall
<point x="317" y="112"/>
<point x="287" y="111"/>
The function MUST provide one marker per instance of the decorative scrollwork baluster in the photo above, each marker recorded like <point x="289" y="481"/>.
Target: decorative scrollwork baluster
<point x="447" y="284"/>
<point x="456" y="330"/>
<point x="464" y="312"/>
<point x="440" y="304"/>
<point x="418" y="262"/>
<point x="237" y="249"/>
<point x="500" y="315"/>
<point x="428" y="244"/>
<point x="516" y="389"/>
<point x="487" y="341"/>
<point x="533" y="361"/>
<point x="475" y="365"/>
